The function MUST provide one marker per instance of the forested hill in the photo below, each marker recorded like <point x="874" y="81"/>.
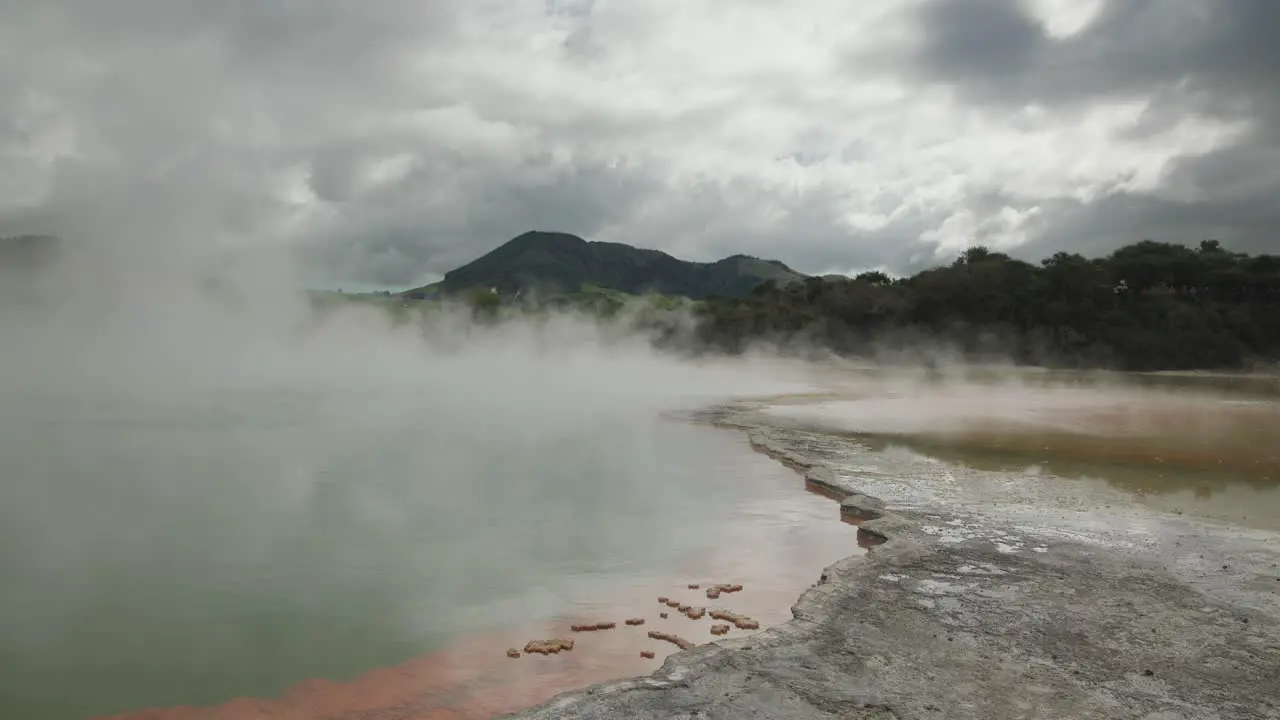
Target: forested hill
<point x="1148" y="306"/>
<point x="560" y="262"/>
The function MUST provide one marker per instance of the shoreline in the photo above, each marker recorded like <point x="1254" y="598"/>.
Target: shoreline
<point x="472" y="677"/>
<point x="958" y="611"/>
<point x="929" y="556"/>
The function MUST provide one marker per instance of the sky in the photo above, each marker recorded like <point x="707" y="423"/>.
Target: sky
<point x="381" y="143"/>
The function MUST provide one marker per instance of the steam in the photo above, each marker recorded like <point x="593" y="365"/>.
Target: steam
<point x="175" y="321"/>
<point x="185" y="319"/>
<point x="180" y="423"/>
<point x="185" y="420"/>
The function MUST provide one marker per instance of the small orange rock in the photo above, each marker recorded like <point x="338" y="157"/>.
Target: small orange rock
<point x="742" y="622"/>
<point x="646" y="654"/>
<point x="634" y="621"/>
<point x="548" y="647"/>
<point x="513" y="653"/>
<point x="714" y="591"/>
<point x="674" y="639"/>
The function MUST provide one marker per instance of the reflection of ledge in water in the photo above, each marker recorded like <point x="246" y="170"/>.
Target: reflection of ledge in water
<point x="922" y="605"/>
<point x="1135" y="464"/>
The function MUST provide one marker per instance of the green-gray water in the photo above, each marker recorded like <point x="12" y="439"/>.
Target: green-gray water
<point x="184" y="543"/>
<point x="159" y="552"/>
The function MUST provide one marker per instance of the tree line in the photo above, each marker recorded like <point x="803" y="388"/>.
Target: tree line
<point x="1146" y="306"/>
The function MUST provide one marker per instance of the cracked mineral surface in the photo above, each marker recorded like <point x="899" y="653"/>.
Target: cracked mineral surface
<point x="989" y="597"/>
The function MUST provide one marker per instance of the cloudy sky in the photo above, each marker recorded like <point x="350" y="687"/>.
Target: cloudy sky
<point x="384" y="141"/>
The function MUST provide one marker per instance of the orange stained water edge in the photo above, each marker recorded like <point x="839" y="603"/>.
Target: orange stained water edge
<point x="1184" y="448"/>
<point x="478" y="678"/>
<point x="1215" y="456"/>
<point x="1239" y="440"/>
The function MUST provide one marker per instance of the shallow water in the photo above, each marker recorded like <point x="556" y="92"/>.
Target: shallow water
<point x="1176" y="448"/>
<point x="360" y="553"/>
<point x="161" y="554"/>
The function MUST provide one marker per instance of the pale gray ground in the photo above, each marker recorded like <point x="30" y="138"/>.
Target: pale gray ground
<point x="994" y="597"/>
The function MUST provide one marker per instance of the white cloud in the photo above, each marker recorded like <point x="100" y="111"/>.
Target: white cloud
<point x="1064" y="18"/>
<point x="431" y="134"/>
<point x="1002" y="230"/>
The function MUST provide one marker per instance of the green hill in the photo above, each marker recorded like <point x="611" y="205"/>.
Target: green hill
<point x="550" y="262"/>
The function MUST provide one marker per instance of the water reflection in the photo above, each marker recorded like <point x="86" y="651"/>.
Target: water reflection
<point x="767" y="534"/>
<point x="1179" y="448"/>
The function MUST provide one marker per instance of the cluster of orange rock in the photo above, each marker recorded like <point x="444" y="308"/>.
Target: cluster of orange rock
<point x="596" y="626"/>
<point x="742" y="622"/>
<point x="544" y="647"/>
<point x="674" y="639"/>
<point x="714" y="591"/>
<point x="689" y="611"/>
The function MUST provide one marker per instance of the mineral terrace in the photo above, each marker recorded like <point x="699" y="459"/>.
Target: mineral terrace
<point x="989" y="598"/>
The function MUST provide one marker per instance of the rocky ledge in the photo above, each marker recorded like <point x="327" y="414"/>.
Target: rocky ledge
<point x="966" y="610"/>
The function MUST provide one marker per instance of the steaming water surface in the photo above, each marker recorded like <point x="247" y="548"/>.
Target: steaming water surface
<point x="162" y="549"/>
<point x="167" y="545"/>
<point x="1183" y="447"/>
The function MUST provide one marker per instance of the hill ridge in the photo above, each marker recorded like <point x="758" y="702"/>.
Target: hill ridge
<point x="543" y="260"/>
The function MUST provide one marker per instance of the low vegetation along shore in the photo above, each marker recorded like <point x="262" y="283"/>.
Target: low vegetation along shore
<point x="963" y="609"/>
<point x="1146" y="306"/>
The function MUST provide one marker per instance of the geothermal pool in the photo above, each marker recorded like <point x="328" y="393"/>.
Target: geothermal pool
<point x="306" y="554"/>
<point x="319" y="552"/>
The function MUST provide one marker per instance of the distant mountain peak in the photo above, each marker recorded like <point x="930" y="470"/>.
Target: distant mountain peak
<point x="558" y="261"/>
<point x="545" y="237"/>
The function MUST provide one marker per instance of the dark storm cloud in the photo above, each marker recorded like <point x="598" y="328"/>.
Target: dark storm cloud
<point x="995" y="51"/>
<point x="986" y="44"/>
<point x="190" y="120"/>
<point x="185" y="114"/>
<point x="1189" y="58"/>
<point x="178" y="123"/>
